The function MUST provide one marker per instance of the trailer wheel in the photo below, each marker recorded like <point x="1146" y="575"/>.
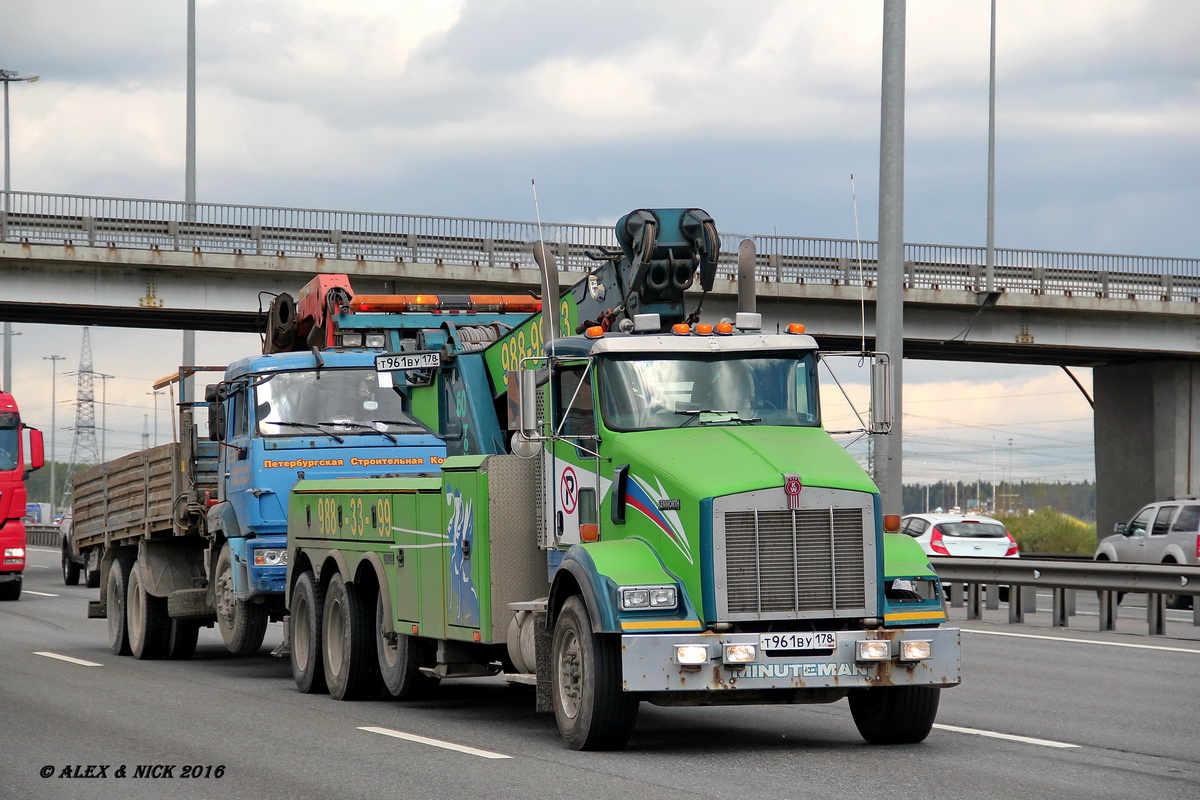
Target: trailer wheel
<point x="184" y="635"/>
<point x="400" y="664"/>
<point x="308" y="606"/>
<point x="70" y="570"/>
<point x="592" y="711"/>
<point x="146" y="619"/>
<point x="895" y="714"/>
<point x="118" y="581"/>
<point x="346" y="641"/>
<point x="243" y="625"/>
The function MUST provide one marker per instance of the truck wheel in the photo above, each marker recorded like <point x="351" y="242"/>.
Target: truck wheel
<point x="243" y="625"/>
<point x="400" y="664"/>
<point x="184" y="635"/>
<point x="346" y="641"/>
<point x="308" y="606"/>
<point x="118" y="580"/>
<point x="11" y="590"/>
<point x="146" y="619"/>
<point x="592" y="711"/>
<point x="91" y="578"/>
<point x="70" y="570"/>
<point x="895" y="714"/>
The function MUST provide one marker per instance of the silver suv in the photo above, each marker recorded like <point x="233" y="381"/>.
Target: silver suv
<point x="1161" y="533"/>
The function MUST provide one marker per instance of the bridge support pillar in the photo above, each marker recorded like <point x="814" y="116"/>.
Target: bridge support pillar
<point x="1147" y="433"/>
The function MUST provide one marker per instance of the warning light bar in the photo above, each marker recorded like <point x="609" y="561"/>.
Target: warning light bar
<point x="445" y="303"/>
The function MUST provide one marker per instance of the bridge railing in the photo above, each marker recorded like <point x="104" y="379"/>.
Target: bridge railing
<point x="270" y="231"/>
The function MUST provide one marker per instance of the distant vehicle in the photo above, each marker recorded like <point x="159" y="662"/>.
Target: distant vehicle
<point x="21" y="452"/>
<point x="960" y="535"/>
<point x="73" y="562"/>
<point x="1166" y="532"/>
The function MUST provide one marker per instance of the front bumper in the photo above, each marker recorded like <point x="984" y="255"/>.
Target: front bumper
<point x="648" y="665"/>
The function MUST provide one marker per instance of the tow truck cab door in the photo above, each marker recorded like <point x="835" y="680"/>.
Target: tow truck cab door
<point x="572" y="479"/>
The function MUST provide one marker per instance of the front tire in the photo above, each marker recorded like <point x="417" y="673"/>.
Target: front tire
<point x="185" y="633"/>
<point x="400" y="665"/>
<point x="115" y="590"/>
<point x="308" y="606"/>
<point x="147" y="623"/>
<point x="895" y="714"/>
<point x="243" y="625"/>
<point x="70" y="570"/>
<point x="591" y="710"/>
<point x="346" y="645"/>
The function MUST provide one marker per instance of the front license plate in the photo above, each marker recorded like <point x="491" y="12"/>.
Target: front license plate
<point x="400" y="361"/>
<point x="812" y="640"/>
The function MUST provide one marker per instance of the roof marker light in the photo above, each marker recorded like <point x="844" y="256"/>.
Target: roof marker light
<point x="724" y="328"/>
<point x="680" y="329"/>
<point x="795" y="327"/>
<point x="594" y="332"/>
<point x="704" y="329"/>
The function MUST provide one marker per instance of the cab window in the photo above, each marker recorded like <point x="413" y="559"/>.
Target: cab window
<point x="1137" y="527"/>
<point x="1162" y="523"/>
<point x="1188" y="520"/>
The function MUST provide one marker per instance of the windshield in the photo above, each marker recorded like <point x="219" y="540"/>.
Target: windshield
<point x="342" y="402"/>
<point x="724" y="388"/>
<point x="10" y="431"/>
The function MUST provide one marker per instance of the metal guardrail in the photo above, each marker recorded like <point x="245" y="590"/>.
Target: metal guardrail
<point x="43" y="535"/>
<point x="271" y="231"/>
<point x="1064" y="578"/>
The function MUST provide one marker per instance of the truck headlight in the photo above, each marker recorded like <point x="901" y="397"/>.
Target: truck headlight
<point x="691" y="654"/>
<point x="376" y="340"/>
<point x="916" y="650"/>
<point x="270" y="557"/>
<point x="653" y="598"/>
<point x="14" y="552"/>
<point x="740" y="653"/>
<point x="352" y="340"/>
<point x="874" y="649"/>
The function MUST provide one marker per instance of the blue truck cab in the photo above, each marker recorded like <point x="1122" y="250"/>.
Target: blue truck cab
<point x="280" y="418"/>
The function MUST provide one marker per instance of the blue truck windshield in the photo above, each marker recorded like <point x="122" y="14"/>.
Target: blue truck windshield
<point x="742" y="388"/>
<point x="341" y="402"/>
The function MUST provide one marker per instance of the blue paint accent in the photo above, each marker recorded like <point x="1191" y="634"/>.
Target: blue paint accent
<point x="553" y="561"/>
<point x="463" y="602"/>
<point x="879" y="584"/>
<point x="598" y="597"/>
<point x="708" y="584"/>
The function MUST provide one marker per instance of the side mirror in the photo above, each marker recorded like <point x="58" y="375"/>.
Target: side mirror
<point x="1121" y="528"/>
<point x="37" y="450"/>
<point x="881" y="413"/>
<point x="216" y="422"/>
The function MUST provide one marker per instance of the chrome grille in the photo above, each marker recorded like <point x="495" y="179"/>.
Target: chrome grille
<point x="780" y="562"/>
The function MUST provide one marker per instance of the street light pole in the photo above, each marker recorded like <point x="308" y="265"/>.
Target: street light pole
<point x="53" y="402"/>
<point x="8" y="76"/>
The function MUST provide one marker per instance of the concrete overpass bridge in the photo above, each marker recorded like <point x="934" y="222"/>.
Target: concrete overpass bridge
<point x="1134" y="320"/>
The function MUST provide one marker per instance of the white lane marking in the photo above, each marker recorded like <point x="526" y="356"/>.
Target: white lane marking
<point x="1010" y="737"/>
<point x="38" y="566"/>
<point x="69" y="660"/>
<point x="1084" y="641"/>
<point x="40" y="594"/>
<point x="412" y="737"/>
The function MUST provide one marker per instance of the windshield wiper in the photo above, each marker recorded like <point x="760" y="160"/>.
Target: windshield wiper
<point x="407" y="423"/>
<point x="310" y="426"/>
<point x="362" y="426"/>
<point x="695" y="414"/>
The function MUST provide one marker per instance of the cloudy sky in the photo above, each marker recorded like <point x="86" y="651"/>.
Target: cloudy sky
<point x="757" y="111"/>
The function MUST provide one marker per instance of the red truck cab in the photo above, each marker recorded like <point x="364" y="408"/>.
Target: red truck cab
<point x="15" y="447"/>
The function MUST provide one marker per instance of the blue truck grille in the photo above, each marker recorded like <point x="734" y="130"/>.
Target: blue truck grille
<point x="802" y="563"/>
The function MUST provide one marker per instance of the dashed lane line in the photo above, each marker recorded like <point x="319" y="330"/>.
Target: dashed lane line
<point x="1009" y="736"/>
<point x="68" y="659"/>
<point x="1084" y="641"/>
<point x="412" y="737"/>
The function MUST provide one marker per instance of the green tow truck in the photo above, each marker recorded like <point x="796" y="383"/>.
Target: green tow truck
<point x="635" y="506"/>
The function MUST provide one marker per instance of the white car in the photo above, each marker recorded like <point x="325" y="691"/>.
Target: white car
<point x="960" y="535"/>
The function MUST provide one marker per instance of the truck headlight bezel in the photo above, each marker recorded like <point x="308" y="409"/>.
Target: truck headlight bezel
<point x="270" y="557"/>
<point x="648" y="598"/>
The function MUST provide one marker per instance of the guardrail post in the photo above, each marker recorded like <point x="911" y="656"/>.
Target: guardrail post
<point x="974" y="609"/>
<point x="335" y="237"/>
<point x="489" y="247"/>
<point x="777" y="263"/>
<point x="411" y="242"/>
<point x="993" y="597"/>
<point x="1102" y="277"/>
<point x="256" y="237"/>
<point x="844" y="266"/>
<point x="1108" y="611"/>
<point x="1029" y="602"/>
<point x="1168" y="285"/>
<point x="956" y="595"/>
<point x="173" y="232"/>
<point x="1196" y="610"/>
<point x="1016" y="603"/>
<point x="1059" y="615"/>
<point x="1156" y="614"/>
<point x="89" y="225"/>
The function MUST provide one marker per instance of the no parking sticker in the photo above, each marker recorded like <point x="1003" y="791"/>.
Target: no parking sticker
<point x="568" y="490"/>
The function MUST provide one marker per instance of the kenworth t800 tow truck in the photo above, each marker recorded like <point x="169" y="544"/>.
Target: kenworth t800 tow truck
<point x="666" y="520"/>
<point x="193" y="533"/>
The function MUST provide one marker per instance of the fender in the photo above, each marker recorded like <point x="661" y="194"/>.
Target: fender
<point x="371" y="560"/>
<point x="904" y="558"/>
<point x="338" y="561"/>
<point x="599" y="568"/>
